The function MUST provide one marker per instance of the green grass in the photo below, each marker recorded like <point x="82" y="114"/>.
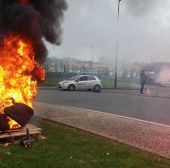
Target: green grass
<point x="53" y="82"/>
<point x="109" y="83"/>
<point x="70" y="148"/>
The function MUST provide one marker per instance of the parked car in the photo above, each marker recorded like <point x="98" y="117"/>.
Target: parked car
<point x="81" y="82"/>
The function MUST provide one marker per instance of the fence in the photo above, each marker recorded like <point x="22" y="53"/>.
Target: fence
<point x="52" y="79"/>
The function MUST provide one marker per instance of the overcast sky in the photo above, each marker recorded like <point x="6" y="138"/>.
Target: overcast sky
<point x="144" y="30"/>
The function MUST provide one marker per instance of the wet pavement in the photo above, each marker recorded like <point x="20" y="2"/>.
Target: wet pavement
<point x="129" y="103"/>
<point x="148" y="136"/>
<point x="150" y="91"/>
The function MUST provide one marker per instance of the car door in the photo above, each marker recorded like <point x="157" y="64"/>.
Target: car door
<point x="91" y="82"/>
<point x="82" y="83"/>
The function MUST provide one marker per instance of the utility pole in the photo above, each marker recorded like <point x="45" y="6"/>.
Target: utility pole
<point x="117" y="43"/>
<point x="92" y="48"/>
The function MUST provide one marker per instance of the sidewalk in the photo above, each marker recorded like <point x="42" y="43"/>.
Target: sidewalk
<point x="151" y="137"/>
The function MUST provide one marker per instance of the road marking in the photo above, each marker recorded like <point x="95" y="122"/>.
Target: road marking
<point x="116" y="115"/>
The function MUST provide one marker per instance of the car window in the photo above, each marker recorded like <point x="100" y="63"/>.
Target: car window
<point x="91" y="78"/>
<point x="73" y="78"/>
<point x="83" y="78"/>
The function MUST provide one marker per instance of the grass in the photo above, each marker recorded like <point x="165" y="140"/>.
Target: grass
<point x="70" y="148"/>
<point x="53" y="82"/>
<point x="107" y="83"/>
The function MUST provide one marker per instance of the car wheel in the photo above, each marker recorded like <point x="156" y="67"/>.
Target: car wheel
<point x="96" y="88"/>
<point x="71" y="87"/>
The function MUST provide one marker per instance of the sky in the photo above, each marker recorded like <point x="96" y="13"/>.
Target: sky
<point x="143" y="32"/>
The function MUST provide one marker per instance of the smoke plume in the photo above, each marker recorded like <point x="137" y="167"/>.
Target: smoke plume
<point x="139" y="7"/>
<point x="35" y="20"/>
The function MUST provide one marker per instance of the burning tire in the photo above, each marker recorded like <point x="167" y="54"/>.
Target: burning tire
<point x="20" y="113"/>
<point x="4" y="122"/>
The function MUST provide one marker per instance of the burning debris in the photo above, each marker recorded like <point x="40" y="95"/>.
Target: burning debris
<point x="24" y="24"/>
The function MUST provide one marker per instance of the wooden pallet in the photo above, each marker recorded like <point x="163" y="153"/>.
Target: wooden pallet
<point x="14" y="136"/>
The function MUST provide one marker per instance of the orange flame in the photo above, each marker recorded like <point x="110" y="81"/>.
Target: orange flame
<point x="17" y="65"/>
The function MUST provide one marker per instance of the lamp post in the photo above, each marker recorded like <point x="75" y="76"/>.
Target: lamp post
<point x="92" y="52"/>
<point x="117" y="43"/>
<point x="92" y="48"/>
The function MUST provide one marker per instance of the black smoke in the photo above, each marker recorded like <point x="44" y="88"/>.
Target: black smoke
<point x="36" y="19"/>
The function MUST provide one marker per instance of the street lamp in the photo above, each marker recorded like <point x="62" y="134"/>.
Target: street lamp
<point x="92" y="51"/>
<point x="117" y="33"/>
<point x="92" y="48"/>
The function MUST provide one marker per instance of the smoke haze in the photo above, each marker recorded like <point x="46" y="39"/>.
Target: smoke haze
<point x="140" y="7"/>
<point x="143" y="30"/>
<point x="35" y="20"/>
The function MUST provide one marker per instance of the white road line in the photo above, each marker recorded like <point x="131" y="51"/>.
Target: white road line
<point x="116" y="115"/>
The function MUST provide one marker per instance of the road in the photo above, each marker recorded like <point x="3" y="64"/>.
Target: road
<point x="153" y="109"/>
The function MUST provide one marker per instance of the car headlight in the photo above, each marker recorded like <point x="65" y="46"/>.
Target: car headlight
<point x="65" y="83"/>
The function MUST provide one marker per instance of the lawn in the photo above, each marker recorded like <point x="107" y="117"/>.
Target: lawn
<point x="107" y="83"/>
<point x="70" y="148"/>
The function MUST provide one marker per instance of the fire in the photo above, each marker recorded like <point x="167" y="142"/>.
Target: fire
<point x="19" y="73"/>
<point x="23" y="1"/>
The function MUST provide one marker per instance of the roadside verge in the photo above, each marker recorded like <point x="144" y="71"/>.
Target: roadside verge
<point x="148" y="136"/>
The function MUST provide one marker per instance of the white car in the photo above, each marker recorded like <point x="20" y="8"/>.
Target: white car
<point x="81" y="82"/>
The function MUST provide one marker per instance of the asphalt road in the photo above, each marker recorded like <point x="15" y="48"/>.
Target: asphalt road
<point x="142" y="107"/>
